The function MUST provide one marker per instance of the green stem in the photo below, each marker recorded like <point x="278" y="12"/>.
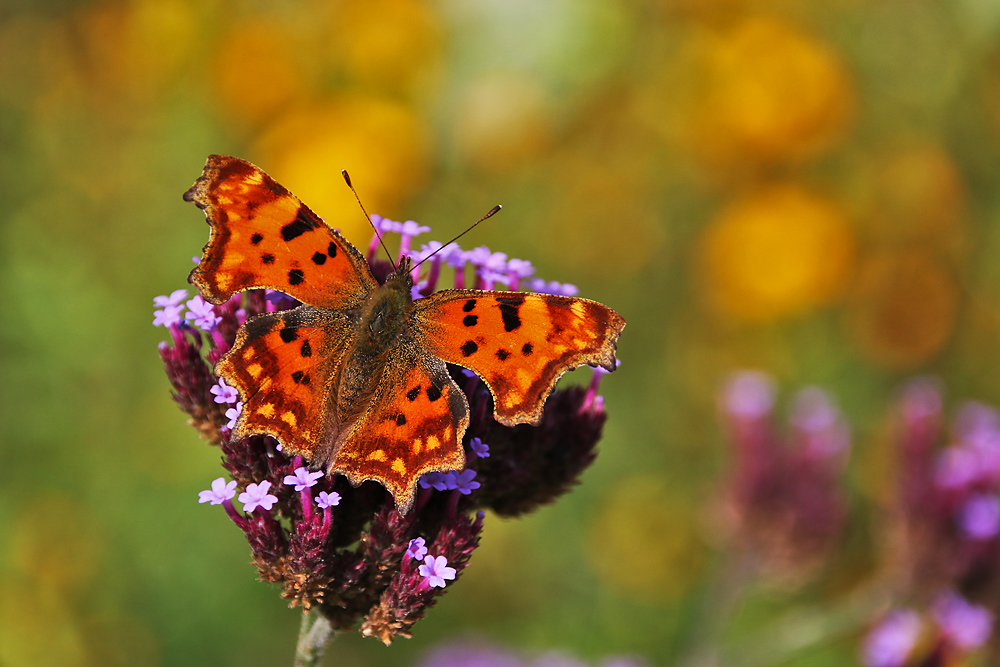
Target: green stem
<point x="314" y="633"/>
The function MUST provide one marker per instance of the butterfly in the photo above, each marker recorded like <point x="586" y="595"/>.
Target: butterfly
<point x="355" y="379"/>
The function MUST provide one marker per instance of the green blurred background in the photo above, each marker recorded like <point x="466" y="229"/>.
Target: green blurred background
<point x="809" y="188"/>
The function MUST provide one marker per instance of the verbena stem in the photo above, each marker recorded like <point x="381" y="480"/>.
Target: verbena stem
<point x="314" y="633"/>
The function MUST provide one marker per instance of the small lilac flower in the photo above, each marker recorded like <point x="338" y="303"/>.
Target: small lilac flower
<point x="748" y="395"/>
<point x="889" y="644"/>
<point x="385" y="224"/>
<point x="966" y="626"/>
<point x="979" y="517"/>
<point x="224" y="393"/>
<point x="173" y="299"/>
<point x="415" y="291"/>
<point x="202" y="313"/>
<point x="437" y="480"/>
<point x="302" y="479"/>
<point x="412" y="228"/>
<point x="519" y="269"/>
<point x="326" y="500"/>
<point x="256" y="496"/>
<point x="221" y="491"/>
<point x="416" y="549"/>
<point x="956" y="467"/>
<point x="552" y="287"/>
<point x="233" y="414"/>
<point x="479" y="448"/>
<point x="464" y="481"/>
<point x="436" y="570"/>
<point x="169" y="316"/>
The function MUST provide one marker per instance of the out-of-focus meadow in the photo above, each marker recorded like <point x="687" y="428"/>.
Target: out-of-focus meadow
<point x="809" y="189"/>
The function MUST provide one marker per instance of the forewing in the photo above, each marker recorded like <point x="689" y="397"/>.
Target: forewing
<point x="518" y="342"/>
<point x="284" y="365"/>
<point x="263" y="236"/>
<point x="415" y="425"/>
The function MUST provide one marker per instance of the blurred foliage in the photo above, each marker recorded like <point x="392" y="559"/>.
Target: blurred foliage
<point x="805" y="188"/>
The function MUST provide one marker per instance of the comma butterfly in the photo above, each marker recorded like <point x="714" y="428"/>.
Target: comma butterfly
<point x="355" y="379"/>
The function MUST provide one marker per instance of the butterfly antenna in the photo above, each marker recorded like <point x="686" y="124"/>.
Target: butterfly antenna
<point x="347" y="179"/>
<point x="493" y="211"/>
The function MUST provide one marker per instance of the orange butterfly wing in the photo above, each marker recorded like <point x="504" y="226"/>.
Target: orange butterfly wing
<point x="285" y="367"/>
<point x="415" y="424"/>
<point x="518" y="342"/>
<point x="263" y="236"/>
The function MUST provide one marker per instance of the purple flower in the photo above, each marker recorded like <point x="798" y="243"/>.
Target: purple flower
<point x="979" y="517"/>
<point x="221" y="491"/>
<point x="202" y="313"/>
<point x="169" y="316"/>
<point x="521" y="268"/>
<point x="465" y="481"/>
<point x="889" y="644"/>
<point x="326" y="500"/>
<point x="232" y="414"/>
<point x="819" y="423"/>
<point x="436" y="570"/>
<point x="964" y="625"/>
<point x="479" y="448"/>
<point x="553" y="287"/>
<point x="302" y="479"/>
<point x="748" y="395"/>
<point x="437" y="480"/>
<point x="412" y="228"/>
<point x="256" y="496"/>
<point x="224" y="393"/>
<point x="416" y="549"/>
<point x="174" y="299"/>
<point x="467" y="653"/>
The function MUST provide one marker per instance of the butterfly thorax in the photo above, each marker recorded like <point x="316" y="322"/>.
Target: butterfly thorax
<point x="384" y="324"/>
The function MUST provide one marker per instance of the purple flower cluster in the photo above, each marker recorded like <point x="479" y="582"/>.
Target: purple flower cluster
<point x="342" y="550"/>
<point x="953" y="628"/>
<point x="785" y="503"/>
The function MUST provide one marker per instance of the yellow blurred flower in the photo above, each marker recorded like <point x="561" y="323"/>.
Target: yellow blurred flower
<point x="644" y="541"/>
<point x="779" y="252"/>
<point x="390" y="45"/>
<point x="503" y="122"/>
<point x="903" y="309"/>
<point x="382" y="144"/>
<point x="767" y="90"/>
<point x="258" y="71"/>
<point x="917" y="196"/>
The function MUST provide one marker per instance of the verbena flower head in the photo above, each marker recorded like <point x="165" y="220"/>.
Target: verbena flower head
<point x="345" y="551"/>
<point x="785" y="502"/>
<point x="949" y="495"/>
<point x="891" y="642"/>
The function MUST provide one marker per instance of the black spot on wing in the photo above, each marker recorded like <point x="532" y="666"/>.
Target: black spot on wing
<point x="470" y="320"/>
<point x="413" y="393"/>
<point x="527" y="349"/>
<point x="469" y="305"/>
<point x="509" y="307"/>
<point x="303" y="222"/>
<point x="306" y="350"/>
<point x="297" y="377"/>
<point x="469" y="348"/>
<point x="400" y="420"/>
<point x="433" y="393"/>
<point x="267" y="258"/>
<point x="319" y="258"/>
<point x="288" y="334"/>
<point x="332" y="250"/>
<point x="296" y="276"/>
<point x="256" y="238"/>
<point x="502" y="354"/>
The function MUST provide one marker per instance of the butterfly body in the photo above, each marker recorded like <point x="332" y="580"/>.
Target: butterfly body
<point x="356" y="378"/>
